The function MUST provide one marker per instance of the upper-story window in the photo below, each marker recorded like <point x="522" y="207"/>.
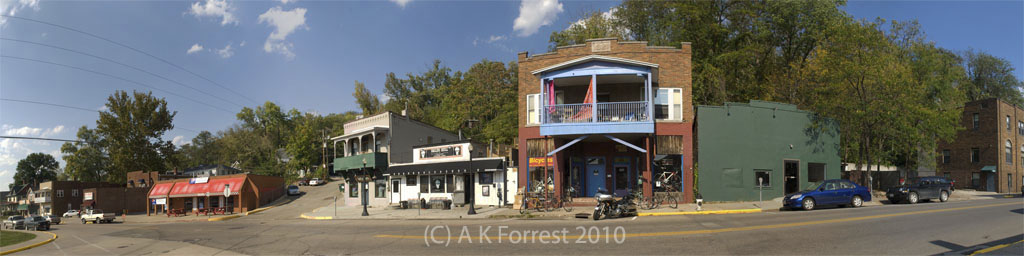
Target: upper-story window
<point x="946" y="156"/>
<point x="532" y="107"/>
<point x="975" y="155"/>
<point x="1020" y="128"/>
<point x="668" y="104"/>
<point x="975" y="121"/>
<point x="1009" y="152"/>
<point x="60" y="193"/>
<point x="1008" y="123"/>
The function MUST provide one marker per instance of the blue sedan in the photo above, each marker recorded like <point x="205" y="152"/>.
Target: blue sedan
<point x="829" y="192"/>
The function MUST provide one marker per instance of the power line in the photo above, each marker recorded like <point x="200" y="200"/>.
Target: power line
<point x="122" y="64"/>
<point x="116" y="77"/>
<point x="133" y="49"/>
<point x="73" y="107"/>
<point x="36" y="138"/>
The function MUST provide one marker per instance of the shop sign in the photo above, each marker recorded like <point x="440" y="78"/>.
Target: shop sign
<point x="440" y="152"/>
<point x="542" y="161"/>
<point x="199" y="180"/>
<point x="87" y="196"/>
<point x="160" y="201"/>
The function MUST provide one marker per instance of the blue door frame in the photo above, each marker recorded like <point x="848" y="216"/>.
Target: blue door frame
<point x="595" y="176"/>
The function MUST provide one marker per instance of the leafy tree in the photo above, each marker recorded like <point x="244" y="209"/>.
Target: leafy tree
<point x="34" y="169"/>
<point x="595" y="24"/>
<point x="133" y="127"/>
<point x="486" y="93"/>
<point x="204" y="149"/>
<point x="368" y="102"/>
<point x="86" y="160"/>
<point x="991" y="77"/>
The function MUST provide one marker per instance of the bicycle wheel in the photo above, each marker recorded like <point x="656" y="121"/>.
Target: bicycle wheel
<point x="656" y="202"/>
<point x="567" y="204"/>
<point x="549" y="205"/>
<point x="672" y="202"/>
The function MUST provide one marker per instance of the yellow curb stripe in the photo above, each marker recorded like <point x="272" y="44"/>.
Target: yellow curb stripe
<point x="304" y="216"/>
<point x="993" y="248"/>
<point x="255" y="211"/>
<point x="223" y="218"/>
<point x="700" y="212"/>
<point x="32" y="246"/>
<point x="710" y="231"/>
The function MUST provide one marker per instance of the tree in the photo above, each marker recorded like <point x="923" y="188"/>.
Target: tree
<point x="86" y="160"/>
<point x="133" y="127"/>
<point x="418" y="94"/>
<point x="204" y="149"/>
<point x="595" y="24"/>
<point x="34" y="169"/>
<point x="486" y="93"/>
<point x="368" y="102"/>
<point x="991" y="77"/>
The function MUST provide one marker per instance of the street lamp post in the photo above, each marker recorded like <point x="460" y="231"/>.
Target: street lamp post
<point x="472" y="182"/>
<point x="364" y="178"/>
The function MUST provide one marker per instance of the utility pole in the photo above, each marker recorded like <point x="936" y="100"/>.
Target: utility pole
<point x="323" y="153"/>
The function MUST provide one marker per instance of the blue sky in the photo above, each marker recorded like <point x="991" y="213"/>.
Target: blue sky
<point x="307" y="54"/>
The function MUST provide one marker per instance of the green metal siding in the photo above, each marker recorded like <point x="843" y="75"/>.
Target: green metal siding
<point x="736" y="139"/>
<point x="373" y="161"/>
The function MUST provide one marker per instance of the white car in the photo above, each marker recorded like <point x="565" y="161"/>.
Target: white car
<point x="71" y="213"/>
<point x="97" y="216"/>
<point x="293" y="190"/>
<point x="315" y="182"/>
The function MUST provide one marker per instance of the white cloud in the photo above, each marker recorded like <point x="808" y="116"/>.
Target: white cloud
<point x="13" y="150"/>
<point x="496" y="38"/>
<point x="102" y="108"/>
<point x="242" y="44"/>
<point x="214" y="9"/>
<point x="284" y="23"/>
<point x="534" y="14"/>
<point x="494" y="41"/>
<point x="401" y="3"/>
<point x="226" y="52"/>
<point x="180" y="141"/>
<point x="32" y="131"/>
<point x="11" y="7"/>
<point x="288" y="1"/>
<point x="194" y="49"/>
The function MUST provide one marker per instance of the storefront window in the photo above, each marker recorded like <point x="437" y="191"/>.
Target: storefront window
<point x="410" y="180"/>
<point x="450" y="181"/>
<point x="381" y="188"/>
<point x="353" y="189"/>
<point x="486" y="178"/>
<point x="437" y="184"/>
<point x="424" y="184"/>
<point x="667" y="167"/>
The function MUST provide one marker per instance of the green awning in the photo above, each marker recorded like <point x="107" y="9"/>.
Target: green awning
<point x="989" y="168"/>
<point x="23" y="207"/>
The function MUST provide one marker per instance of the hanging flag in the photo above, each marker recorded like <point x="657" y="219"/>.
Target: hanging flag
<point x="551" y="96"/>
<point x="585" y="110"/>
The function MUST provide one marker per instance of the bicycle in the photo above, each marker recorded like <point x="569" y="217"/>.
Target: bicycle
<point x="566" y="201"/>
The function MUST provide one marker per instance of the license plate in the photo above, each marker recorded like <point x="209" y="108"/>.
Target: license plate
<point x="890" y="194"/>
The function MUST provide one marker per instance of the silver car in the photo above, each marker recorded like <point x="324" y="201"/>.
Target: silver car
<point x="14" y="222"/>
<point x="53" y="219"/>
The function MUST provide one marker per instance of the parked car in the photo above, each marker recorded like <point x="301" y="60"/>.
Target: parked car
<point x="97" y="216"/>
<point x="71" y="213"/>
<point x="53" y="219"/>
<point x="316" y="182"/>
<point x="37" y="223"/>
<point x="14" y="222"/>
<point x="919" y="189"/>
<point x="293" y="190"/>
<point x="829" y="192"/>
<point x="304" y="182"/>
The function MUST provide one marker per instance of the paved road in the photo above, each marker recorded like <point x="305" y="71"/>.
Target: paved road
<point x="927" y="228"/>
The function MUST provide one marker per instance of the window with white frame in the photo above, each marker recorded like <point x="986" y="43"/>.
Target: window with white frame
<point x="74" y="192"/>
<point x="60" y="193"/>
<point x="532" y="109"/>
<point x="668" y="104"/>
<point x="1009" y="153"/>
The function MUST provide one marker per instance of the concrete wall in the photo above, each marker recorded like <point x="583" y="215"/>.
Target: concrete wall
<point x="735" y="139"/>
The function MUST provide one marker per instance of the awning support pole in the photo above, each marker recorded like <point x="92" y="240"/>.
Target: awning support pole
<point x="626" y="143"/>
<point x="567" y="145"/>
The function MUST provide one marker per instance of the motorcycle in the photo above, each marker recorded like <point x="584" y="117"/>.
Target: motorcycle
<point x="611" y="208"/>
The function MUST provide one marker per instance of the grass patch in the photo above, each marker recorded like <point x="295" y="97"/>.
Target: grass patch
<point x="10" y="237"/>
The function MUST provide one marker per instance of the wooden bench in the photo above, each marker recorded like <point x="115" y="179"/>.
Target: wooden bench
<point x="177" y="212"/>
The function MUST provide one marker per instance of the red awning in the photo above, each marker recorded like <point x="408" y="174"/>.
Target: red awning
<point x="160" y="190"/>
<point x="214" y="187"/>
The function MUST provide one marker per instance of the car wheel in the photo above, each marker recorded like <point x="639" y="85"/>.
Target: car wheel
<point x="808" y="204"/>
<point x="912" y="198"/>
<point x="856" y="201"/>
<point x="83" y="221"/>
<point x="944" y="196"/>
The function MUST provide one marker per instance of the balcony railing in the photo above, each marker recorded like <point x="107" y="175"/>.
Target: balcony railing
<point x="606" y="113"/>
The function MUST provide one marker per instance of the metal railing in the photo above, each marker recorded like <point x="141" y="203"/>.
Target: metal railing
<point x="635" y="111"/>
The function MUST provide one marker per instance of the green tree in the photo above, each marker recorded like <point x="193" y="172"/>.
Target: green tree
<point x="595" y="24"/>
<point x="86" y="160"/>
<point x="418" y="94"/>
<point x="204" y="149"/>
<point x="368" y="102"/>
<point x="34" y="169"/>
<point x="133" y="127"/>
<point x="486" y="93"/>
<point x="991" y="77"/>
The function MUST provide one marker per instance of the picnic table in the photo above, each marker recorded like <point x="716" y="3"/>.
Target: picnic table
<point x="177" y="212"/>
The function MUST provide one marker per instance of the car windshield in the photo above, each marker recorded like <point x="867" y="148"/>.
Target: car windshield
<point x="293" y="186"/>
<point x="17" y="217"/>
<point x="813" y="185"/>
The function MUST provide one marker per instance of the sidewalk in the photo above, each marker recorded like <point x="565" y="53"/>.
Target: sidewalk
<point x="162" y="218"/>
<point x="354" y="213"/>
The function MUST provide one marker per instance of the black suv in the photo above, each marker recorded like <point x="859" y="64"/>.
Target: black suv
<point x="922" y="188"/>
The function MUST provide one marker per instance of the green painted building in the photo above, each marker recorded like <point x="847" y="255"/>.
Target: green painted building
<point x="785" y="147"/>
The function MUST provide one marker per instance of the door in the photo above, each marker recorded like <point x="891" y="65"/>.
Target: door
<point x="396" y="190"/>
<point x="990" y="182"/>
<point x="621" y="180"/>
<point x="595" y="175"/>
<point x="831" y="193"/>
<point x="792" y="176"/>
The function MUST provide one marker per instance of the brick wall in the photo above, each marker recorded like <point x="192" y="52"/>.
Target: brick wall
<point x="990" y="139"/>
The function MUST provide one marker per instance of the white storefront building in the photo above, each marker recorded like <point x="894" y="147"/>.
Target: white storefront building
<point x="447" y="171"/>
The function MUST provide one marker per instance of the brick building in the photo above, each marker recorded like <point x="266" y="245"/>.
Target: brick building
<point x="115" y="199"/>
<point x="245" y="192"/>
<point x="603" y="115"/>
<point x="57" y="197"/>
<point x="988" y="153"/>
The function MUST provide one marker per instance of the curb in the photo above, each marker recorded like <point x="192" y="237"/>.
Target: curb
<point x="255" y="211"/>
<point x="700" y="212"/>
<point x="993" y="248"/>
<point x="223" y="218"/>
<point x="304" y="216"/>
<point x="32" y="246"/>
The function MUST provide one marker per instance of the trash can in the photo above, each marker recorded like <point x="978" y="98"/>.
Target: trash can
<point x="405" y="204"/>
<point x="447" y="204"/>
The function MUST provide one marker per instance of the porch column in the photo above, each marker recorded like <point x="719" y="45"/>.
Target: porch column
<point x="206" y="204"/>
<point x="336" y="149"/>
<point x="649" y="189"/>
<point x="543" y="102"/>
<point x="593" y="98"/>
<point x="557" y="159"/>
<point x="194" y="203"/>
<point x="650" y="99"/>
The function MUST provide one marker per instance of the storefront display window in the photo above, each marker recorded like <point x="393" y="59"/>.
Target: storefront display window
<point x="381" y="188"/>
<point x="353" y="191"/>
<point x="424" y="184"/>
<point x="486" y="178"/>
<point x="668" y="166"/>
<point x="437" y="184"/>
<point x="450" y="181"/>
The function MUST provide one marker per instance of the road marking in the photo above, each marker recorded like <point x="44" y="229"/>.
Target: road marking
<point x="993" y="248"/>
<point x="58" y="248"/>
<point x="87" y="242"/>
<point x="721" y="230"/>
